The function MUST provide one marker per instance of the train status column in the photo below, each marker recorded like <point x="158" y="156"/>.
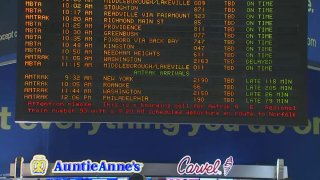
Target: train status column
<point x="229" y="49"/>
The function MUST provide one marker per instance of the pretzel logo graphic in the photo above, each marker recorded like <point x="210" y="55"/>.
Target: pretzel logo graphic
<point x="39" y="165"/>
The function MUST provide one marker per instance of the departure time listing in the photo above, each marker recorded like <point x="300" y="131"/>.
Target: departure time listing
<point x="162" y="61"/>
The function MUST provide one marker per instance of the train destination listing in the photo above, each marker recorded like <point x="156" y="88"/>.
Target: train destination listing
<point x="162" y="61"/>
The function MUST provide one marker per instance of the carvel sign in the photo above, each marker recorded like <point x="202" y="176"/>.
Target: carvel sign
<point x="186" y="167"/>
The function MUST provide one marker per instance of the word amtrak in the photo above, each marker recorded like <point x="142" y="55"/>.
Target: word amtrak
<point x="103" y="166"/>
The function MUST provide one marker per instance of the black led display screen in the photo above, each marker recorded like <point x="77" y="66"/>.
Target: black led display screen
<point x="162" y="61"/>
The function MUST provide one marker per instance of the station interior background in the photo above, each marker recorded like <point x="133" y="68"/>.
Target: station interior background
<point x="160" y="143"/>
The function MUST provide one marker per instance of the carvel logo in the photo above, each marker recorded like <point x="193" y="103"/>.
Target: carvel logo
<point x="103" y="166"/>
<point x="186" y="167"/>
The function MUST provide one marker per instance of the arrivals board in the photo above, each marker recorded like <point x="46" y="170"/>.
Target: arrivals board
<point x="162" y="61"/>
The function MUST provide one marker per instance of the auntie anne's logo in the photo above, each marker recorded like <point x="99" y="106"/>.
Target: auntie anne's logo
<point x="39" y="165"/>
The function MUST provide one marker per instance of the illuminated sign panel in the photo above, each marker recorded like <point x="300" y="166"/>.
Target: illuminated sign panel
<point x="181" y="61"/>
<point x="39" y="166"/>
<point x="99" y="167"/>
<point x="187" y="167"/>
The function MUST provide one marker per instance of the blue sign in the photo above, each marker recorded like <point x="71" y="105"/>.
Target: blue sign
<point x="8" y="27"/>
<point x="314" y="33"/>
<point x="8" y="59"/>
<point x="88" y="166"/>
